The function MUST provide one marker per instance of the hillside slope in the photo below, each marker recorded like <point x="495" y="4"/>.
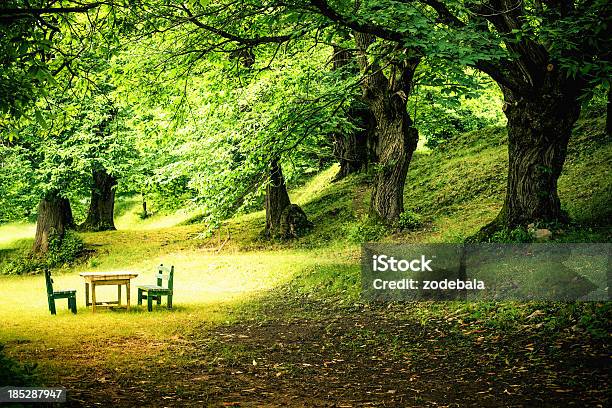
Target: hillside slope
<point x="460" y="188"/>
<point x="456" y="190"/>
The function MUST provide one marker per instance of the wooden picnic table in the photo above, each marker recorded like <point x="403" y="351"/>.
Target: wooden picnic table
<point x="107" y="278"/>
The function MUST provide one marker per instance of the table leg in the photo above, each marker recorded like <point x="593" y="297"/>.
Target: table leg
<point x="86" y="294"/>
<point x="127" y="293"/>
<point x="119" y="295"/>
<point x="93" y="297"/>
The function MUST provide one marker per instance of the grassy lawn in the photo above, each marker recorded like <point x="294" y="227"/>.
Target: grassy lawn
<point x="212" y="286"/>
<point x="275" y="323"/>
<point x="207" y="286"/>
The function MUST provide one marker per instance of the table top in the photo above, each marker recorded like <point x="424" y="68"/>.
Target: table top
<point x="108" y="275"/>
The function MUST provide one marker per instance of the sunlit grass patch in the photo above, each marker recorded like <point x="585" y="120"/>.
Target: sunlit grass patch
<point x="314" y="187"/>
<point x="13" y="232"/>
<point x="131" y="218"/>
<point x="207" y="288"/>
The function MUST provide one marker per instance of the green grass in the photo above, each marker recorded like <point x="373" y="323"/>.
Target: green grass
<point x="11" y="234"/>
<point x="456" y="191"/>
<point x="209" y="288"/>
<point x="461" y="188"/>
<point x="202" y="283"/>
<point x="128" y="216"/>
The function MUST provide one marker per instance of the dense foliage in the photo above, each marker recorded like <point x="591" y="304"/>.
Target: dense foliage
<point x="188" y="103"/>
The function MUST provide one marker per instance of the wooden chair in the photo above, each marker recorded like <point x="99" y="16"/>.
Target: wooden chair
<point x="155" y="292"/>
<point x="59" y="294"/>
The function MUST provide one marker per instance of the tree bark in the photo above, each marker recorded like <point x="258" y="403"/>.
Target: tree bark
<point x="398" y="140"/>
<point x="54" y="218"/>
<point x="541" y="104"/>
<point x="539" y="129"/>
<point x="354" y="151"/>
<point x="396" y="136"/>
<point x="100" y="216"/>
<point x="66" y="210"/>
<point x="277" y="199"/>
<point x="145" y="214"/>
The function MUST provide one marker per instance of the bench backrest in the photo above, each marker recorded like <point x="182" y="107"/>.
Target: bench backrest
<point x="49" y="282"/>
<point x="165" y="274"/>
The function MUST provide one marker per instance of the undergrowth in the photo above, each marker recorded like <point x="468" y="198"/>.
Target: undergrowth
<point x="63" y="252"/>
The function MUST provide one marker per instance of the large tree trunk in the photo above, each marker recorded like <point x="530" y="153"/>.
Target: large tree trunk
<point x="397" y="140"/>
<point x="539" y="130"/>
<point x="283" y="219"/>
<point x="396" y="137"/>
<point x="541" y="104"/>
<point x="54" y="217"/>
<point x="354" y="151"/>
<point x="100" y="216"/>
<point x="277" y="199"/>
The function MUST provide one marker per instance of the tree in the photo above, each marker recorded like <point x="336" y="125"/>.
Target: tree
<point x="397" y="138"/>
<point x="542" y="54"/>
<point x="541" y="97"/>
<point x="55" y="179"/>
<point x="357" y="149"/>
<point x="100" y="216"/>
<point x="46" y="42"/>
<point x="54" y="218"/>
<point x="541" y="104"/>
<point x="271" y="103"/>
<point x="277" y="199"/>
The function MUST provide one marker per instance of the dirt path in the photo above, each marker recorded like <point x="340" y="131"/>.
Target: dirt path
<point x="320" y="354"/>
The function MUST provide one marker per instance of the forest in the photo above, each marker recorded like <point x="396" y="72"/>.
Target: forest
<point x="257" y="155"/>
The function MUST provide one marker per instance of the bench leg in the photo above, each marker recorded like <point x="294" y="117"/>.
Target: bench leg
<point x="119" y="295"/>
<point x="139" y="297"/>
<point x="72" y="304"/>
<point x="159" y="299"/>
<point x="169" y="301"/>
<point x="149" y="303"/>
<point x="93" y="297"/>
<point x="52" y="305"/>
<point x="86" y="294"/>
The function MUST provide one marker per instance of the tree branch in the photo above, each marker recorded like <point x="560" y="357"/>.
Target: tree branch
<point x="376" y="30"/>
<point x="235" y="38"/>
<point x="445" y="16"/>
<point x="12" y="14"/>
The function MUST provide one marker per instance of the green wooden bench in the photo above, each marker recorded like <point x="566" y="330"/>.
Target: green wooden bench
<point x="59" y="294"/>
<point x="155" y="292"/>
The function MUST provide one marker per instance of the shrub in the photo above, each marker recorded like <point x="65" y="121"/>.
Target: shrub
<point x="409" y="220"/>
<point x="64" y="250"/>
<point x="367" y="230"/>
<point x="22" y="265"/>
<point x="61" y="251"/>
<point x="516" y="235"/>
